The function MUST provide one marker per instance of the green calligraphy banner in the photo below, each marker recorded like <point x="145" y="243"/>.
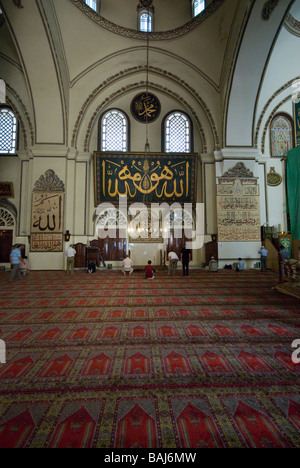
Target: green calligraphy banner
<point x="145" y="177"/>
<point x="297" y="121"/>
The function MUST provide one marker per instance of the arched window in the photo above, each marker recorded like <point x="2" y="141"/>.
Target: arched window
<point x="114" y="131"/>
<point x="93" y="4"/>
<point x="8" y="131"/>
<point x="145" y="21"/>
<point x="177" y="133"/>
<point x="281" y="133"/>
<point x="198" y="7"/>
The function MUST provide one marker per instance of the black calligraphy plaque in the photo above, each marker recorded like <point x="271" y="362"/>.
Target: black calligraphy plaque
<point x="145" y="177"/>
<point x="145" y="107"/>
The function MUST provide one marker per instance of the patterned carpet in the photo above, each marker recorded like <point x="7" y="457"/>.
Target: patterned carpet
<point x="106" y="361"/>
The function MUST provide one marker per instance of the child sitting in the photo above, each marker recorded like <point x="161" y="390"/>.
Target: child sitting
<point x="149" y="272"/>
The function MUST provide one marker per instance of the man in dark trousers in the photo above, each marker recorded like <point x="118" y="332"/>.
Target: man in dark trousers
<point x="185" y="260"/>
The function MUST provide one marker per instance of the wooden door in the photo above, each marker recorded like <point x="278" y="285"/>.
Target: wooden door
<point x="6" y="239"/>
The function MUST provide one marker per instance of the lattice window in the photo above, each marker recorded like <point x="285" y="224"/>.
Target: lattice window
<point x="114" y="131"/>
<point x="177" y="133"/>
<point x="8" y="132"/>
<point x="198" y="7"/>
<point x="281" y="136"/>
<point x="6" y="219"/>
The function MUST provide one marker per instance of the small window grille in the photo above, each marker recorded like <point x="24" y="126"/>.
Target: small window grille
<point x="8" y="132"/>
<point x="114" y="131"/>
<point x="177" y="133"/>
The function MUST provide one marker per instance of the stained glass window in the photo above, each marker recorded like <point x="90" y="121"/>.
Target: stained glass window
<point x="114" y="131"/>
<point x="8" y="131"/>
<point x="177" y="133"/>
<point x="281" y="135"/>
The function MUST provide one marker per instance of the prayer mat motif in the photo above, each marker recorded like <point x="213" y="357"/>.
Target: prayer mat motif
<point x="93" y="315"/>
<point x="136" y="424"/>
<point x="176" y="362"/>
<point x="251" y="330"/>
<point x="110" y="331"/>
<point x="253" y="362"/>
<point x="117" y="313"/>
<point x="80" y="333"/>
<point x="138" y="363"/>
<point x="194" y="423"/>
<point x="138" y="331"/>
<point x="284" y="358"/>
<point x="20" y="423"/>
<point x="99" y="364"/>
<point x="194" y="329"/>
<point x="214" y="362"/>
<point x="139" y="313"/>
<point x="289" y="405"/>
<point x="223" y="330"/>
<point x="253" y="424"/>
<point x="57" y="367"/>
<point x="17" y="368"/>
<point x="49" y="335"/>
<point x="167" y="330"/>
<point x="20" y="335"/>
<point x="78" y="425"/>
<point x="160" y="313"/>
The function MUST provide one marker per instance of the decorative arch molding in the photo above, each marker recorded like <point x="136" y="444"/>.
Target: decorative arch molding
<point x="137" y="86"/>
<point x="152" y="49"/>
<point x="131" y="71"/>
<point x="25" y="113"/>
<point x="292" y="25"/>
<point x="265" y="109"/>
<point x="154" y="36"/>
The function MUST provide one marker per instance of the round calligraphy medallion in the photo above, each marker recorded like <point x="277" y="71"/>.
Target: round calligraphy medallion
<point x="274" y="179"/>
<point x="145" y="107"/>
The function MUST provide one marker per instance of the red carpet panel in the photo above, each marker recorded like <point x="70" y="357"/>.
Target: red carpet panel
<point x="176" y="362"/>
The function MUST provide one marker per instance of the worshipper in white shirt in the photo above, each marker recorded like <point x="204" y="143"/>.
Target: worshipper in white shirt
<point x="173" y="259"/>
<point x="127" y="266"/>
<point x="70" y="253"/>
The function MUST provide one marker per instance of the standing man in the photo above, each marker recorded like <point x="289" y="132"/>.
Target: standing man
<point x="263" y="256"/>
<point x="70" y="253"/>
<point x="185" y="260"/>
<point x="283" y="256"/>
<point x="16" y="260"/>
<point x="101" y="258"/>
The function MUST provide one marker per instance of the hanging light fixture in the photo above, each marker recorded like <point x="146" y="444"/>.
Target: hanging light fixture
<point x="147" y="145"/>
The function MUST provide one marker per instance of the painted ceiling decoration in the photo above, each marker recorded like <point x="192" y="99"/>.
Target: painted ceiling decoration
<point x="269" y="8"/>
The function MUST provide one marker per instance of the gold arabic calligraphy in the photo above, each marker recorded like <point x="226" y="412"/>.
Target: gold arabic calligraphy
<point x="145" y="180"/>
<point x="145" y="107"/>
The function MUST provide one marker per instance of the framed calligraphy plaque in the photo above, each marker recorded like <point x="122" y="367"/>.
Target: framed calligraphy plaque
<point x="238" y="206"/>
<point x="145" y="107"/>
<point x="47" y="214"/>
<point x="145" y="177"/>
